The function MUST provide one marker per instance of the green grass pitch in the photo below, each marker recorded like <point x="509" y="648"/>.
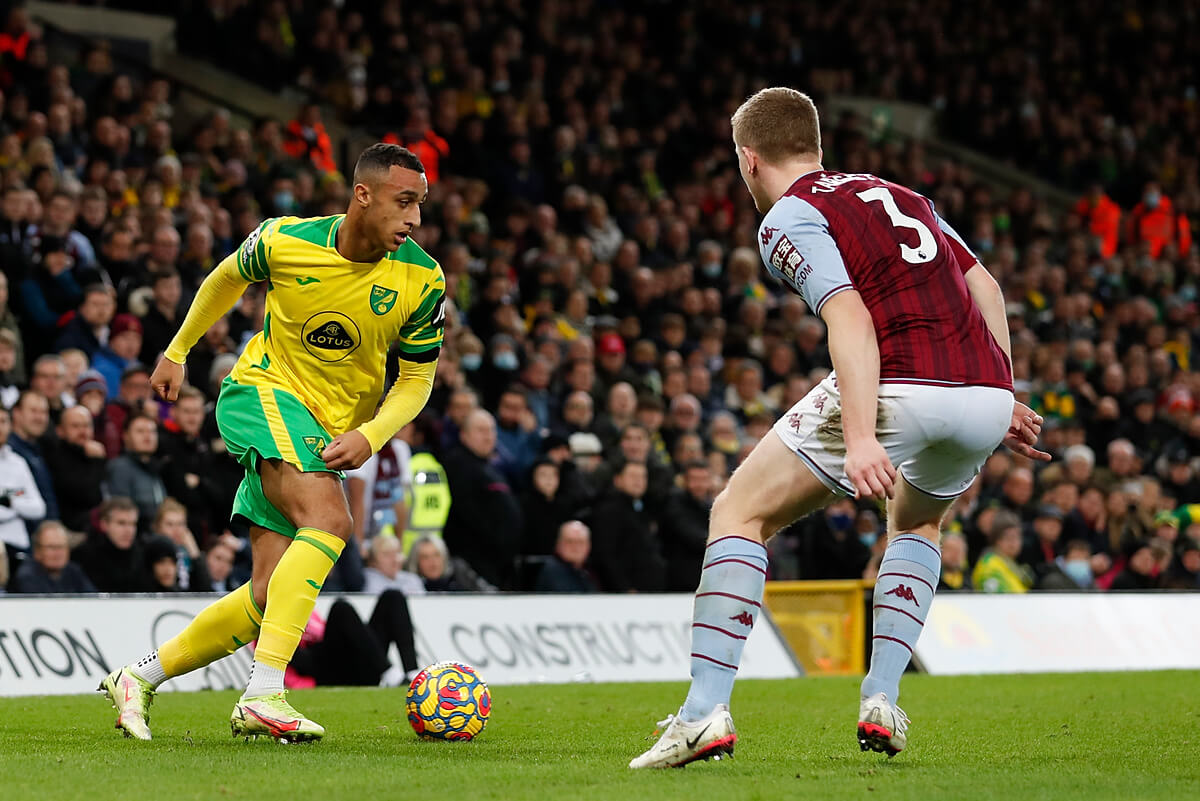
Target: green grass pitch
<point x="1085" y="736"/>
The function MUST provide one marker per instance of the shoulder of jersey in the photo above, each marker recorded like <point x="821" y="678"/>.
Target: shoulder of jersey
<point x="412" y="253"/>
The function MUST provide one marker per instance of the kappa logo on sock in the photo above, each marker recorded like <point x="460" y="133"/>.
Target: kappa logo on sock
<point x="744" y="618"/>
<point x="900" y="591"/>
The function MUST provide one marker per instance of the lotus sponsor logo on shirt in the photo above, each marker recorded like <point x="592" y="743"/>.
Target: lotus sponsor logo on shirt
<point x="330" y="336"/>
<point x="787" y="260"/>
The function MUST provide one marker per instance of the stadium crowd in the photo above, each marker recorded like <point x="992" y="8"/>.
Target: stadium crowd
<point x="614" y="347"/>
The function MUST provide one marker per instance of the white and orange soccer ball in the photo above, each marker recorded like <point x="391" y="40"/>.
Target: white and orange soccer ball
<point x="448" y="701"/>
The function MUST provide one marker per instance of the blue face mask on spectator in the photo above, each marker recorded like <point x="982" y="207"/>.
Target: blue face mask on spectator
<point x="867" y="538"/>
<point x="1078" y="571"/>
<point x="1152" y="199"/>
<point x="472" y="361"/>
<point x="284" y="201"/>
<point x="840" y="521"/>
<point x="711" y="268"/>
<point x="505" y="360"/>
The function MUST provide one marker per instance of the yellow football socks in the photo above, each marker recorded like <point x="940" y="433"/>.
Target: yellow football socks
<point x="221" y="628"/>
<point x="292" y="594"/>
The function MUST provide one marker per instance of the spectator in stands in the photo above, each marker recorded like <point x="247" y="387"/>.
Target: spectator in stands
<point x="51" y="570"/>
<point x="954" y="575"/>
<point x="171" y="524"/>
<point x="88" y="329"/>
<point x="624" y="527"/>
<point x="21" y="504"/>
<point x="137" y="473"/>
<point x="29" y="421"/>
<point x="162" y="319"/>
<point x="830" y="547"/>
<point x="1154" y="224"/>
<point x="1043" y="542"/>
<point x="684" y="527"/>
<point x="76" y="460"/>
<point x="133" y="400"/>
<point x="1071" y="571"/>
<point x="306" y="138"/>
<point x="566" y="570"/>
<point x="517" y="439"/>
<point x="218" y="562"/>
<point x="162" y="565"/>
<point x="48" y="292"/>
<point x="376" y="491"/>
<point x="1101" y="217"/>
<point x="112" y="557"/>
<point x="385" y="569"/>
<point x="9" y="389"/>
<point x="187" y="472"/>
<point x="545" y="506"/>
<point x="50" y="379"/>
<point x="430" y="559"/>
<point x="1140" y="572"/>
<point x="997" y="570"/>
<point x="1185" y="572"/>
<point x="124" y="344"/>
<point x="484" y="527"/>
<point x="577" y="413"/>
<point x="10" y="333"/>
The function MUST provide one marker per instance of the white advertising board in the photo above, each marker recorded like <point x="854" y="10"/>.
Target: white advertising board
<point x="66" y="645"/>
<point x="1054" y="633"/>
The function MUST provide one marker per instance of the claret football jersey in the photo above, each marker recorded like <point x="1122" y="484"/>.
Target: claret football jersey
<point x="831" y="232"/>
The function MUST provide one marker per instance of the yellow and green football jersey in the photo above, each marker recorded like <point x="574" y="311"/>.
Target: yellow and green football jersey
<point x="329" y="322"/>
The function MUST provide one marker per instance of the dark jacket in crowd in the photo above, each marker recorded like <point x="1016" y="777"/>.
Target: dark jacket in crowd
<point x="33" y="578"/>
<point x="626" y="554"/>
<point x="110" y="568"/>
<point x="543" y="517"/>
<point x="139" y="480"/>
<point x="558" y="576"/>
<point x="34" y="456"/>
<point x="77" y="480"/>
<point x="684" y="535"/>
<point x="484" y="525"/>
<point x="184" y="456"/>
<point x="78" y="334"/>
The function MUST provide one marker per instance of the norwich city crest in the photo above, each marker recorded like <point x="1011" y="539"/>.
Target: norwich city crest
<point x="315" y="444"/>
<point x="383" y="299"/>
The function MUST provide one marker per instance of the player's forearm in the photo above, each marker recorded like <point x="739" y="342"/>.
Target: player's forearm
<point x="990" y="299"/>
<point x="404" y="402"/>
<point x="855" y="355"/>
<point x="216" y="296"/>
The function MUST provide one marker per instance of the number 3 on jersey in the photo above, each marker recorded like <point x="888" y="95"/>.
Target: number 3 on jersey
<point x="926" y="247"/>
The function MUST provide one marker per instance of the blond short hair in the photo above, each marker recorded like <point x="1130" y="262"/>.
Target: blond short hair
<point x="778" y="123"/>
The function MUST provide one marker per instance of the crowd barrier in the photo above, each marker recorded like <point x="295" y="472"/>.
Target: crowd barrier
<point x="51" y="645"/>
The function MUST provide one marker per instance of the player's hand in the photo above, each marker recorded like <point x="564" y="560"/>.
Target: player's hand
<point x="167" y="378"/>
<point x="347" y="451"/>
<point x="870" y="470"/>
<point x="1023" y="433"/>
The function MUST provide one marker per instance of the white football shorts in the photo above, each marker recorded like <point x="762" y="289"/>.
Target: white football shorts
<point x="938" y="436"/>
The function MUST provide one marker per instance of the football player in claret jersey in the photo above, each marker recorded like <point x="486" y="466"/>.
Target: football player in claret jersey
<point x="920" y="396"/>
<point x="297" y="410"/>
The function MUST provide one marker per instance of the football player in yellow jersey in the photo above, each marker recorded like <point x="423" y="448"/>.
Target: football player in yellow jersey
<point x="298" y="408"/>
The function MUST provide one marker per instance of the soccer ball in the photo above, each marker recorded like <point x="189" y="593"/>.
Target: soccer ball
<point x="448" y="701"/>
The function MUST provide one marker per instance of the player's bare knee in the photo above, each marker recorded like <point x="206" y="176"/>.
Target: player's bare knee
<point x="732" y="515"/>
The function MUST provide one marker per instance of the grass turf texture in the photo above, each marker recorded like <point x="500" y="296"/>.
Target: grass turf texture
<point x="1099" y="736"/>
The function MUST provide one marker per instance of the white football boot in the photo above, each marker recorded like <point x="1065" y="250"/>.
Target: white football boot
<point x="682" y="742"/>
<point x="882" y="725"/>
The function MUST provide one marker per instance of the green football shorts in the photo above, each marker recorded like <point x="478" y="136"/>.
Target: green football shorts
<point x="268" y="423"/>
